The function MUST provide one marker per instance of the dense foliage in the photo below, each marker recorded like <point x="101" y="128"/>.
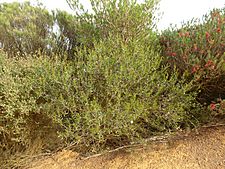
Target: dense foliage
<point x="104" y="79"/>
<point x="112" y="96"/>
<point x="198" y="49"/>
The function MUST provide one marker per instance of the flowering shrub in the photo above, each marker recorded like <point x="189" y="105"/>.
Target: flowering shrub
<point x="198" y="50"/>
<point x="218" y="108"/>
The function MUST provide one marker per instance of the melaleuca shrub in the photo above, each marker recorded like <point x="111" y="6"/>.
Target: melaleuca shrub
<point x="198" y="50"/>
<point x="119" y="93"/>
<point x="113" y="95"/>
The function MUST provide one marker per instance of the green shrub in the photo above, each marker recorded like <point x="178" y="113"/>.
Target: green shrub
<point x="198" y="48"/>
<point x="21" y="118"/>
<point x="116" y="94"/>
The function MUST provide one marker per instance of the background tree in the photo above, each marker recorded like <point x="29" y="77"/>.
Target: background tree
<point x="24" y="29"/>
<point x="72" y="32"/>
<point x="125" y="18"/>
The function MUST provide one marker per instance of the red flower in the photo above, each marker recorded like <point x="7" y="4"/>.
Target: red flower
<point x="209" y="63"/>
<point x="207" y="35"/>
<point x="195" y="68"/>
<point x="212" y="106"/>
<point x="173" y="54"/>
<point x="218" y="30"/>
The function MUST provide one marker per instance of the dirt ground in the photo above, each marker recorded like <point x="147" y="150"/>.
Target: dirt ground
<point x="199" y="149"/>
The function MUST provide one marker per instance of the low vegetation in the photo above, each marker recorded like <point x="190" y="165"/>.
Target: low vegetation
<point x="104" y="79"/>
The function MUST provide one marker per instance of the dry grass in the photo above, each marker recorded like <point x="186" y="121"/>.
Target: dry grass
<point x="200" y="149"/>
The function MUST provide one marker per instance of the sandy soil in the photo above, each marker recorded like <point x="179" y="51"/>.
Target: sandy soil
<point x="199" y="149"/>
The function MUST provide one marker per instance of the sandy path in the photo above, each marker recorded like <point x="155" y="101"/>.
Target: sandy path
<point x="204" y="149"/>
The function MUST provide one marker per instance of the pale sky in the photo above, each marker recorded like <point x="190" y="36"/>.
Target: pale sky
<point x="175" y="11"/>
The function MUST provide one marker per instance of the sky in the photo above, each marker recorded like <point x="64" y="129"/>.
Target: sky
<point x="174" y="11"/>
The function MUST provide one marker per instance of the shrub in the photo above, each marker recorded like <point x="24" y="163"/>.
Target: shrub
<point x="112" y="94"/>
<point x="119" y="93"/>
<point x="21" y="118"/>
<point x="198" y="48"/>
<point x="115" y="94"/>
